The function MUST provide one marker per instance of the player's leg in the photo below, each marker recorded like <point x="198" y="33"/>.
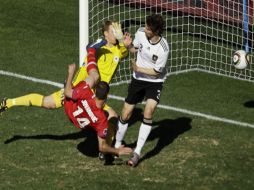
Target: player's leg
<point x="153" y="97"/>
<point x="33" y="99"/>
<point x="135" y="95"/>
<point x="144" y="131"/>
<point x="54" y="100"/>
<point x="112" y="120"/>
<point x="146" y="125"/>
<point x="122" y="125"/>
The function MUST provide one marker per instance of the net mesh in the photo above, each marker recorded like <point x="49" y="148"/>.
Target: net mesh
<point x="203" y="34"/>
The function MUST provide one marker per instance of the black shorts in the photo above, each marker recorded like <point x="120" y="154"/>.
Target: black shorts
<point x="139" y="90"/>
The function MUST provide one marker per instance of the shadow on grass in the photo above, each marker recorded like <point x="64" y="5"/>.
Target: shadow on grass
<point x="166" y="132"/>
<point x="249" y="104"/>
<point x="88" y="147"/>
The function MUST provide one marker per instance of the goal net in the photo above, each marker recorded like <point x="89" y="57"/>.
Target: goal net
<point x="203" y="34"/>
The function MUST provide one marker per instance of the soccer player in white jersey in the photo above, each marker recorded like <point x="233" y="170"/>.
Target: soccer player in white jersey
<point x="149" y="73"/>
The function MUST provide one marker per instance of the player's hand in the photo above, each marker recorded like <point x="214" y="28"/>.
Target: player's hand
<point x="127" y="39"/>
<point x="124" y="150"/>
<point x="72" y="68"/>
<point x="117" y="31"/>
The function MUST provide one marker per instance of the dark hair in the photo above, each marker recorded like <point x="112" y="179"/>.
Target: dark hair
<point x="105" y="26"/>
<point x="156" y="23"/>
<point x="101" y="90"/>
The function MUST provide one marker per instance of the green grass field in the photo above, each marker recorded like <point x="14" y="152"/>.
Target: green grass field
<point x="41" y="149"/>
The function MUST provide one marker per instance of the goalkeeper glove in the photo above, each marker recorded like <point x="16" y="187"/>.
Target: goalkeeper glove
<point x="117" y="31"/>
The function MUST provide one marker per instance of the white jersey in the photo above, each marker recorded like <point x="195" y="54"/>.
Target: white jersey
<point x="152" y="56"/>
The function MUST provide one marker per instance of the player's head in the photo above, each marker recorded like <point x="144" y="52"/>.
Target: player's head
<point x="101" y="90"/>
<point x="154" y="25"/>
<point x="107" y="31"/>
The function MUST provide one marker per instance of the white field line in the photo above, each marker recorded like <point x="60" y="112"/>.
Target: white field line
<point x="31" y="78"/>
<point x="189" y="112"/>
<point x="165" y="107"/>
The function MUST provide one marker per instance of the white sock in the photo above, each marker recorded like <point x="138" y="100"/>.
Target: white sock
<point x="121" y="130"/>
<point x="144" y="131"/>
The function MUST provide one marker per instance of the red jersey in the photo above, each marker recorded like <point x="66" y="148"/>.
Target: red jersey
<point x="83" y="112"/>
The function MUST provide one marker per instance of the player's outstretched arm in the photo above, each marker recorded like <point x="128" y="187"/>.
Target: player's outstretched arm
<point x="148" y="71"/>
<point x="91" y="68"/>
<point x="68" y="87"/>
<point x="105" y="148"/>
<point x="93" y="77"/>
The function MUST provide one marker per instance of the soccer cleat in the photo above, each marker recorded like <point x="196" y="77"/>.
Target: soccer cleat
<point x="96" y="45"/>
<point x="133" y="161"/>
<point x="3" y="106"/>
<point x="101" y="156"/>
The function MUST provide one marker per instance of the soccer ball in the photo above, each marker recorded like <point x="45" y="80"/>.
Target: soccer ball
<point x="241" y="59"/>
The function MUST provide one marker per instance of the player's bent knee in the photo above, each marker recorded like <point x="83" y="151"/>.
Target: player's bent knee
<point x="48" y="102"/>
<point x="112" y="114"/>
<point x="123" y="120"/>
<point x="126" y="116"/>
<point x="127" y="111"/>
<point x="56" y="99"/>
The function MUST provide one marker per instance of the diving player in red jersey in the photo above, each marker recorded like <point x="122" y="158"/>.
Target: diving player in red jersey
<point x="85" y="108"/>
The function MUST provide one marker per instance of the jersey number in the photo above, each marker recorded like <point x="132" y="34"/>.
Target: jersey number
<point x="81" y="121"/>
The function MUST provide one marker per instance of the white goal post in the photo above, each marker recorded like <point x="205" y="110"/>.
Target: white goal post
<point x="83" y="29"/>
<point x="203" y="34"/>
